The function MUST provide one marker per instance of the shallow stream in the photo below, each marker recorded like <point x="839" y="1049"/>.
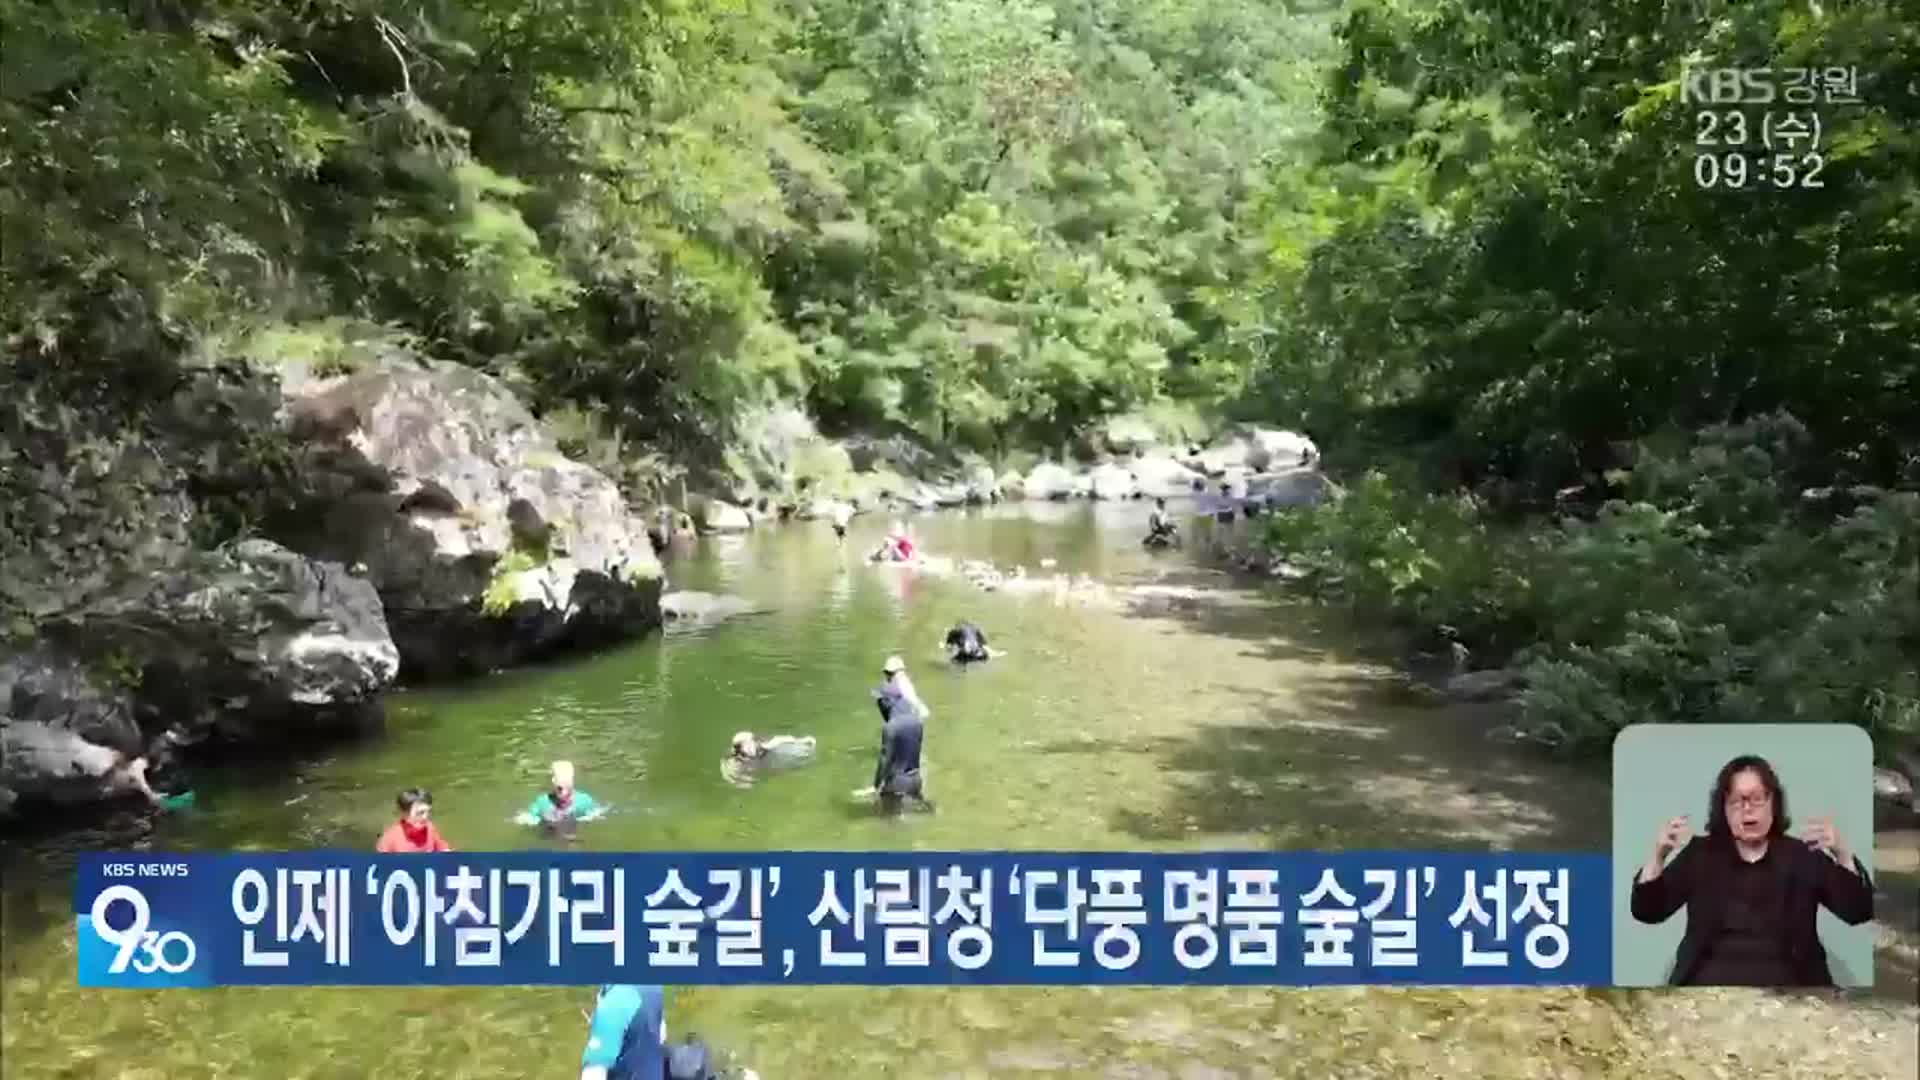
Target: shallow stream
<point x="1198" y="716"/>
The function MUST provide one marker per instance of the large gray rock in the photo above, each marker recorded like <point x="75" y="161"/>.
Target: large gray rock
<point x="1048" y="481"/>
<point x="1256" y="449"/>
<point x="41" y="762"/>
<point x="1215" y="461"/>
<point x="250" y="643"/>
<point x="63" y="729"/>
<point x="948" y="496"/>
<point x="1163" y="477"/>
<point x="1113" y="482"/>
<point x="1298" y="486"/>
<point x="767" y="441"/>
<point x="289" y="632"/>
<point x="309" y="631"/>
<point x="440" y="482"/>
<point x="723" y="517"/>
<point x="1268" y="449"/>
<point x="982" y="485"/>
<point x="823" y="509"/>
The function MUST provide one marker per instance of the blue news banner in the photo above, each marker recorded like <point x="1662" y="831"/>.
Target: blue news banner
<point x="862" y="918"/>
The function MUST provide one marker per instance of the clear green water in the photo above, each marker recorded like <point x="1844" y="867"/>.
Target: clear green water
<point x="1233" y="722"/>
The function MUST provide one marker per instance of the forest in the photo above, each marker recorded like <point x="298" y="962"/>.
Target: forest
<point x="1655" y="443"/>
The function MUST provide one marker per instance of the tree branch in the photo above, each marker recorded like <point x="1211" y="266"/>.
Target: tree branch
<point x="391" y="36"/>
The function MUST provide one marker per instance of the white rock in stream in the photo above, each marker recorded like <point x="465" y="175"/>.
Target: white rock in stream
<point x="1893" y="787"/>
<point x="1048" y="481"/>
<point x="724" y="517"/>
<point x="1113" y="482"/>
<point x="1487" y="685"/>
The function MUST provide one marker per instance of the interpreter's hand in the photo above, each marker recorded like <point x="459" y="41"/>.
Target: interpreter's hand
<point x="1824" y="838"/>
<point x="1672" y="835"/>
<point x="865" y="793"/>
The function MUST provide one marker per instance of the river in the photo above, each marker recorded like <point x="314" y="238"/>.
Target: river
<point x="1226" y="719"/>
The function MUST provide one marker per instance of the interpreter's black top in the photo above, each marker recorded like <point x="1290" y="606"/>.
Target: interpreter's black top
<point x="1753" y="924"/>
<point x="1750" y="949"/>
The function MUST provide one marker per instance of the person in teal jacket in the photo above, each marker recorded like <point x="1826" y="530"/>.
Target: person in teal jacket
<point x="626" y="1038"/>
<point x="561" y="804"/>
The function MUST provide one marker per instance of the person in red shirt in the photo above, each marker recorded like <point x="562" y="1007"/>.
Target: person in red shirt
<point x="898" y="546"/>
<point x="414" y="832"/>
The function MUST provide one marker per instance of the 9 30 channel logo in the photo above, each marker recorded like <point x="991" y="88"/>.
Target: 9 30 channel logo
<point x="129" y="939"/>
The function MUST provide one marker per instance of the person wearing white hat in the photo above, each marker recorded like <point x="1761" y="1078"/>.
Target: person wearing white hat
<point x="903" y="718"/>
<point x="896" y="692"/>
<point x="750" y="753"/>
<point x="561" y="803"/>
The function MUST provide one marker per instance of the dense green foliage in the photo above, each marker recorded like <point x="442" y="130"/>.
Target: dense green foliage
<point x="1507" y="260"/>
<point x="980" y="218"/>
<point x="1504" y="272"/>
<point x="1462" y="236"/>
<point x="1713" y="587"/>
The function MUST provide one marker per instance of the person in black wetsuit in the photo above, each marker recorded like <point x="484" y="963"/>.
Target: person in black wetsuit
<point x="896" y="777"/>
<point x="967" y="644"/>
<point x="1753" y="894"/>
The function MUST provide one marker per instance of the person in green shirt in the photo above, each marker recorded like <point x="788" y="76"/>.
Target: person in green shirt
<point x="562" y="804"/>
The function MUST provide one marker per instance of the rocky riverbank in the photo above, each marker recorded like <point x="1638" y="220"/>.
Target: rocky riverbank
<point x="432" y="528"/>
<point x="436" y="531"/>
<point x="795" y="473"/>
<point x="1443" y="670"/>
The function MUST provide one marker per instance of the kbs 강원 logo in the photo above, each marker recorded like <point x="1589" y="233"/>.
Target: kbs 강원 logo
<point x="123" y="945"/>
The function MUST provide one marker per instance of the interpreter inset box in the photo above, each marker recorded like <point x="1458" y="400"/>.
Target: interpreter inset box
<point x="1743" y="855"/>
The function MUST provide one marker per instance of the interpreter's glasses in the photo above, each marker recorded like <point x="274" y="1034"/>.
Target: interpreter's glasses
<point x="1750" y="802"/>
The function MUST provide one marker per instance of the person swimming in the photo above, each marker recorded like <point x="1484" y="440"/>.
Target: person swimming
<point x="414" y="833"/>
<point x="562" y="805"/>
<point x="967" y="644"/>
<point x="775" y="749"/>
<point x="750" y="753"/>
<point x="897" y="547"/>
